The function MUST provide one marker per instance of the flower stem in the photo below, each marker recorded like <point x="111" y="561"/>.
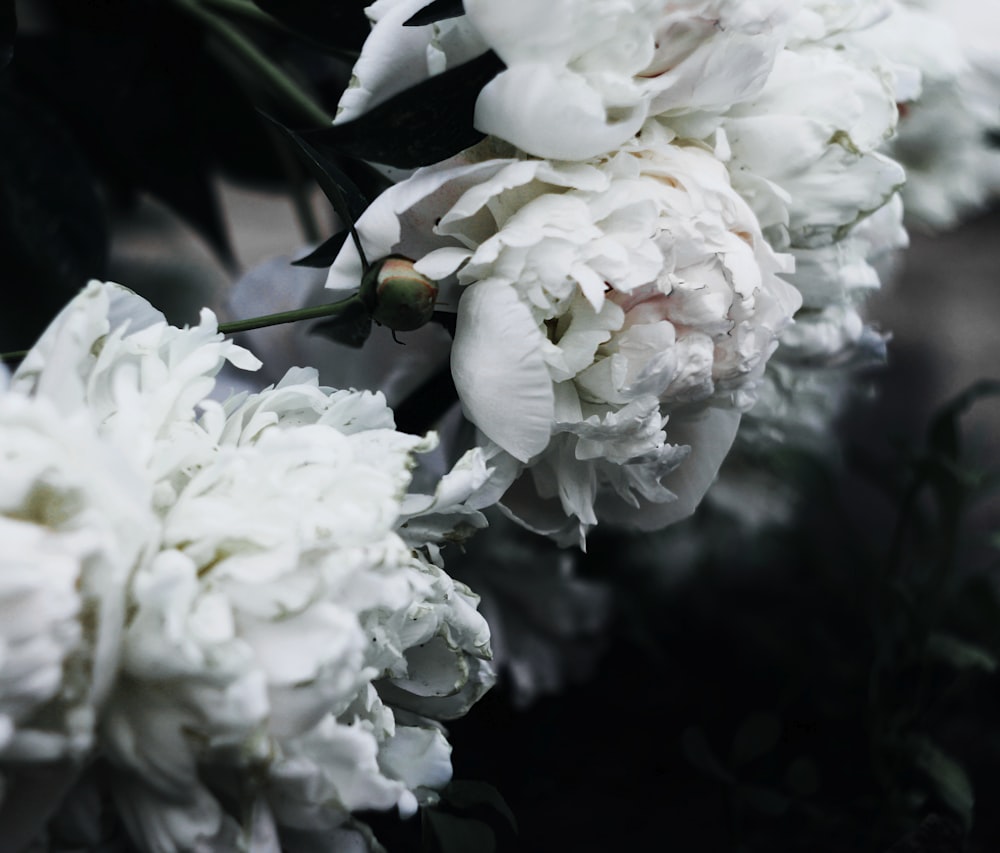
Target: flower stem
<point x="246" y="9"/>
<point x="17" y="355"/>
<point x="329" y="310"/>
<point x="266" y="71"/>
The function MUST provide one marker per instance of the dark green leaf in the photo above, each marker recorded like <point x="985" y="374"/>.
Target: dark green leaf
<point x="351" y="327"/>
<point x="944" y="431"/>
<point x="802" y="777"/>
<point x="949" y="781"/>
<point x="448" y="833"/>
<point x="438" y="10"/>
<point x="8" y="29"/>
<point x="335" y="23"/>
<point x="470" y="816"/>
<point x="325" y="253"/>
<point x="959" y="653"/>
<point x="469" y="794"/>
<point x="696" y="749"/>
<point x="757" y="736"/>
<point x="764" y="800"/>
<point x="53" y="233"/>
<point x="345" y="197"/>
<point x="424" y="124"/>
<point x="936" y="834"/>
<point x="135" y="123"/>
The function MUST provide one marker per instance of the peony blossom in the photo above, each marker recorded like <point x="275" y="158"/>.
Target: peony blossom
<point x="277" y="628"/>
<point x="281" y="607"/>
<point x="635" y="303"/>
<point x="75" y="522"/>
<point x="947" y="118"/>
<point x="581" y="77"/>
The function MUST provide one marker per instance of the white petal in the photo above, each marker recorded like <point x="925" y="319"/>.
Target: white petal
<point x="499" y="369"/>
<point x="552" y="112"/>
<point x="710" y="435"/>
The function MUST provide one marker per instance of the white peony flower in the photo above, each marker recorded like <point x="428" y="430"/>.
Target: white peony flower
<point x="943" y="139"/>
<point x="582" y="75"/>
<point x="603" y="300"/>
<point x="75" y="522"/>
<point x="280" y="596"/>
<point x="804" y="153"/>
<point x="241" y="665"/>
<point x="109" y="352"/>
<point x="548" y="625"/>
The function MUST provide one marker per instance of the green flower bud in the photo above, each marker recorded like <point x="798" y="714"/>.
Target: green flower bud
<point x="397" y="295"/>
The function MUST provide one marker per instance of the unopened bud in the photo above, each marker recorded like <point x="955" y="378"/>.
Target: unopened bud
<point x="397" y="295"/>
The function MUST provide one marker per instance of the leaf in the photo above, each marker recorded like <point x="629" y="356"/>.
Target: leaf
<point x="470" y="816"/>
<point x="767" y="801"/>
<point x="757" y="736"/>
<point x="351" y="327"/>
<point x="448" y="833"/>
<point x="959" y="653"/>
<point x="134" y="122"/>
<point x="53" y="230"/>
<point x="470" y="794"/>
<point x="697" y="750"/>
<point x="943" y="433"/>
<point x="345" y="197"/>
<point x="802" y="777"/>
<point x="950" y="781"/>
<point x="334" y="23"/>
<point x="325" y="253"/>
<point x="424" y="124"/>
<point x="8" y="29"/>
<point x="438" y="10"/>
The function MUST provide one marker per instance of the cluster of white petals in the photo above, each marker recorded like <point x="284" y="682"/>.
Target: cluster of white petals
<point x="75" y="521"/>
<point x="949" y="112"/>
<point x="577" y="233"/>
<point x="635" y="302"/>
<point x="581" y="76"/>
<point x="229" y="614"/>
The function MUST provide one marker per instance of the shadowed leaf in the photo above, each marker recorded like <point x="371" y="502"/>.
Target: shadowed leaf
<point x="439" y="10"/>
<point x="424" y="124"/>
<point x="325" y="253"/>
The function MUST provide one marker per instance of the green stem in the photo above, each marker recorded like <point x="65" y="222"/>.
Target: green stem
<point x="269" y="74"/>
<point x="246" y="9"/>
<point x="330" y="310"/>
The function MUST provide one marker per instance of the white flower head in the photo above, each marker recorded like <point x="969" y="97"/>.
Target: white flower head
<point x="75" y="523"/>
<point x="109" y="352"/>
<point x="282" y="593"/>
<point x="612" y="310"/>
<point x="804" y="153"/>
<point x="581" y="76"/>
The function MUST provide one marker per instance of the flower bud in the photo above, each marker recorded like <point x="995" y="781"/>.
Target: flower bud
<point x="397" y="295"/>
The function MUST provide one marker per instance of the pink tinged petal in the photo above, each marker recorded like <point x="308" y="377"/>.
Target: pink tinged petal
<point x="499" y="369"/>
<point x="552" y="112"/>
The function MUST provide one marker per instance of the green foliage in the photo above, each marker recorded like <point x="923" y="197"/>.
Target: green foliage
<point x="8" y="29"/>
<point x="423" y="124"/>
<point x="436" y="11"/>
<point x="470" y="816"/>
<point x="336" y="25"/>
<point x="53" y="230"/>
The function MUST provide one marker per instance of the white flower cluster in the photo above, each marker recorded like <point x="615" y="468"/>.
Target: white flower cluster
<point x="950" y="109"/>
<point x="214" y="599"/>
<point x="664" y="188"/>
